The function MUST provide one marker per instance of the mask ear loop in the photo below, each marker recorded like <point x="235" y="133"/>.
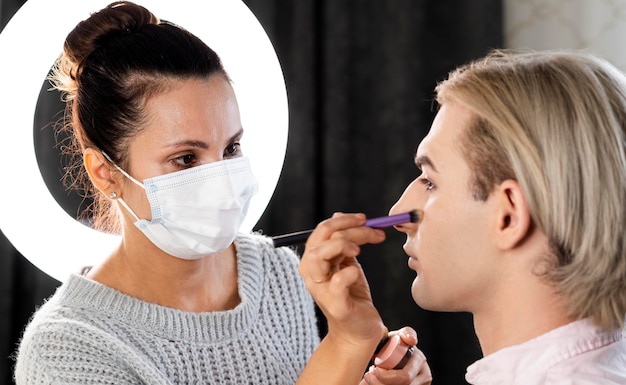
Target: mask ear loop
<point x="127" y="175"/>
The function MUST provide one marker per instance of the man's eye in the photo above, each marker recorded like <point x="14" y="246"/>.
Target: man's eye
<point x="429" y="185"/>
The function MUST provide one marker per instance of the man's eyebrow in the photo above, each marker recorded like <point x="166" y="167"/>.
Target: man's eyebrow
<point x="423" y="160"/>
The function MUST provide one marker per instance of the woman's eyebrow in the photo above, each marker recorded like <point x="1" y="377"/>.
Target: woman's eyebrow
<point x="199" y="143"/>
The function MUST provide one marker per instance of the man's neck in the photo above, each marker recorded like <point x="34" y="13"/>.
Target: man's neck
<point x="521" y="313"/>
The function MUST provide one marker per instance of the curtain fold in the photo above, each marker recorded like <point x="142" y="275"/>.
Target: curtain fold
<point x="360" y="77"/>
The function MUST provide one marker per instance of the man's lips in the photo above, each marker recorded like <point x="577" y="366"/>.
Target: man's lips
<point x="413" y="260"/>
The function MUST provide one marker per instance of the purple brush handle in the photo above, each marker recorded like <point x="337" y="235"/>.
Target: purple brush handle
<point x="379" y="223"/>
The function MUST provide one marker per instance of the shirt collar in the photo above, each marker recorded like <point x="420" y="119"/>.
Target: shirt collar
<point x="533" y="358"/>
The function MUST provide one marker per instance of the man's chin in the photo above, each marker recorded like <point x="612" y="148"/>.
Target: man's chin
<point x="422" y="297"/>
<point x="417" y="292"/>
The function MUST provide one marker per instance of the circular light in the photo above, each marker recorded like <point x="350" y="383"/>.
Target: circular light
<point x="30" y="217"/>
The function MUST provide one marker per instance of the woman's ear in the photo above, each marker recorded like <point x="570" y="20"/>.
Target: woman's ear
<point x="99" y="171"/>
<point x="514" y="218"/>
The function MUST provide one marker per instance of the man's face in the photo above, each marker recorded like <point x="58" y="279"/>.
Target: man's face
<point x="450" y="250"/>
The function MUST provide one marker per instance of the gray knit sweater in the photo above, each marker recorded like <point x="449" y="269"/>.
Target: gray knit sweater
<point x="88" y="333"/>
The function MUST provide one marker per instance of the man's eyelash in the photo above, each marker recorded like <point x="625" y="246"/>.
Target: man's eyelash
<point x="429" y="185"/>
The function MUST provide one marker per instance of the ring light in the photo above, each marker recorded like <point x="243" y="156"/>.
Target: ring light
<point x="30" y="217"/>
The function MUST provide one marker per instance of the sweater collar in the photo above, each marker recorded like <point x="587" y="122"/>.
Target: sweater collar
<point x="105" y="302"/>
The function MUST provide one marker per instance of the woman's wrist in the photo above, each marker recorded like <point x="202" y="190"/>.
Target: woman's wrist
<point x="362" y="344"/>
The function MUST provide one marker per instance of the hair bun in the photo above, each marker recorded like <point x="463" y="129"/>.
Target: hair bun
<point x="118" y="18"/>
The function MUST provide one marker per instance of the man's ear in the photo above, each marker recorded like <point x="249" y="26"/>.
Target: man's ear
<point x="99" y="171"/>
<point x="514" y="222"/>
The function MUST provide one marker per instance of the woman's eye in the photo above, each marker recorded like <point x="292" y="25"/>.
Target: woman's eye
<point x="233" y="150"/>
<point x="186" y="160"/>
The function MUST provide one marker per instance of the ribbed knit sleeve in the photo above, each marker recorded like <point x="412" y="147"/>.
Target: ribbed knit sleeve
<point x="88" y="333"/>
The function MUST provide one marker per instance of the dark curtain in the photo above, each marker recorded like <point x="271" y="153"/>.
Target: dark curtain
<point x="360" y="78"/>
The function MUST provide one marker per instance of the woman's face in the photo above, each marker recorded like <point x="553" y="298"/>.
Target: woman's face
<point x="192" y="122"/>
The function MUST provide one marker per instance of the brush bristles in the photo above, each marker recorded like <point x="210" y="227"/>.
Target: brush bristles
<point x="416" y="216"/>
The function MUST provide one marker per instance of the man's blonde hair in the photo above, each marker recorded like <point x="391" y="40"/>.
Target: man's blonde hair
<point x="555" y="121"/>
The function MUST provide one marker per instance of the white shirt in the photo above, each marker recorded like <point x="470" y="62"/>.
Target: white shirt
<point x="575" y="354"/>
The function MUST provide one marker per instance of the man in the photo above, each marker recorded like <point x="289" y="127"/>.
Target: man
<point x="523" y="189"/>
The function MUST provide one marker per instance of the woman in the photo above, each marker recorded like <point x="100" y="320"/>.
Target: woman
<point x="185" y="298"/>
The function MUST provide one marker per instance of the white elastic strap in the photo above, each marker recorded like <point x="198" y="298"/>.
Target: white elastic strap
<point x="128" y="208"/>
<point x="127" y="175"/>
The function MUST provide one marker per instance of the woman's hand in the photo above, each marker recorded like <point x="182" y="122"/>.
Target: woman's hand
<point x="336" y="281"/>
<point x="415" y="372"/>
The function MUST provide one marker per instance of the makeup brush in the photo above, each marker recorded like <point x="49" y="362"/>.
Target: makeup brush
<point x="299" y="237"/>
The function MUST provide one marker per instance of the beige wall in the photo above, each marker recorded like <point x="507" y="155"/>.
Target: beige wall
<point x="596" y="25"/>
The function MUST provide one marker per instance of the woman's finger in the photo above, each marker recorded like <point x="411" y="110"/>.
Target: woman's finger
<point x="333" y="241"/>
<point x="415" y="372"/>
<point x="407" y="334"/>
<point x="348" y="226"/>
<point x="320" y="262"/>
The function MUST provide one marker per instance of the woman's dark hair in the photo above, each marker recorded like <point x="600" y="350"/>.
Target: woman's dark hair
<point x="111" y="64"/>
